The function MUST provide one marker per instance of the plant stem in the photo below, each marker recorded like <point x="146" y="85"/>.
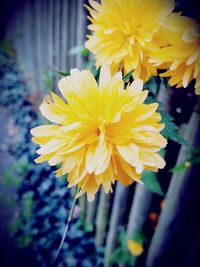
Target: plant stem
<point x="67" y="225"/>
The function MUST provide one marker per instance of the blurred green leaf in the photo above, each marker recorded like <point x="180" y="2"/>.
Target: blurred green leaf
<point x="48" y="77"/>
<point x="178" y="168"/>
<point x="121" y="254"/>
<point x="15" y="225"/>
<point x="24" y="241"/>
<point x="194" y="159"/>
<point x="91" y="66"/>
<point x="88" y="227"/>
<point x="122" y="236"/>
<point x="138" y="237"/>
<point x="151" y="182"/>
<point x="6" y="45"/>
<point x="117" y="256"/>
<point x="65" y="74"/>
<point x="9" y="179"/>
<point x="85" y="52"/>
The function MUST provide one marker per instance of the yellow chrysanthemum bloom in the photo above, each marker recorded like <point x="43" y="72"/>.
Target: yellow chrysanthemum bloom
<point x="135" y="248"/>
<point x="124" y="33"/>
<point x="102" y="133"/>
<point x="182" y="54"/>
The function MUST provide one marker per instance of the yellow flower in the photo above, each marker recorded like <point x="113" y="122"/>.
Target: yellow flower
<point x="124" y="33"/>
<point x="135" y="248"/>
<point x="102" y="133"/>
<point x="182" y="54"/>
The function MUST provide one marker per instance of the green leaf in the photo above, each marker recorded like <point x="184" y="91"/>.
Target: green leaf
<point x="171" y="130"/>
<point x="85" y="52"/>
<point x="88" y="227"/>
<point x="91" y="66"/>
<point x="24" y="241"/>
<point x="178" y="168"/>
<point x="127" y="76"/>
<point x="122" y="236"/>
<point x="138" y="237"/>
<point x="132" y="260"/>
<point x="15" y="225"/>
<point x="151" y="86"/>
<point x="196" y="151"/>
<point x="117" y="256"/>
<point x="65" y="74"/>
<point x="194" y="159"/>
<point x="48" y="77"/>
<point x="151" y="182"/>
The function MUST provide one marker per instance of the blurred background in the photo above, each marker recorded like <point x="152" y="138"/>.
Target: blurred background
<point x="39" y="41"/>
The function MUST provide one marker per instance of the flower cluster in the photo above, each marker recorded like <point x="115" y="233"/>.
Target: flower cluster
<point x="181" y="55"/>
<point x="124" y="33"/>
<point x="106" y="133"/>
<point x="103" y="133"/>
<point x="145" y="36"/>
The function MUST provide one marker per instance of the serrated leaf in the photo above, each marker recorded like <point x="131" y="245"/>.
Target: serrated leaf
<point x="171" y="129"/>
<point x="151" y="182"/>
<point x="127" y="76"/>
<point x="65" y="74"/>
<point x="151" y="86"/>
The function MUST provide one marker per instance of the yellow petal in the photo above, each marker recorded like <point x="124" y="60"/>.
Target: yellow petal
<point x="105" y="76"/>
<point x="51" y="146"/>
<point x="130" y="153"/>
<point x="136" y="86"/>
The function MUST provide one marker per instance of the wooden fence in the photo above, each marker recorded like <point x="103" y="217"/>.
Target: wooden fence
<point x="43" y="32"/>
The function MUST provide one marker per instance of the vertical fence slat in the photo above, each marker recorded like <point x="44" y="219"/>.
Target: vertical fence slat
<point x="102" y="218"/>
<point x="64" y="35"/>
<point x="91" y="211"/>
<point x="143" y="197"/>
<point x="174" y="232"/>
<point x="122" y="199"/>
<point x="50" y="17"/>
<point x="72" y="29"/>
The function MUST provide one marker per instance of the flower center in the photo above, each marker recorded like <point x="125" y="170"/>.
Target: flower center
<point x="101" y="129"/>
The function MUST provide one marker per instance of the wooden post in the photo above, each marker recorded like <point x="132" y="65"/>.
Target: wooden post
<point x="102" y="218"/>
<point x="179" y="220"/>
<point x="121" y="207"/>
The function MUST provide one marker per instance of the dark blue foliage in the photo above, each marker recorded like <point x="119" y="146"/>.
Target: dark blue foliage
<point x="43" y="201"/>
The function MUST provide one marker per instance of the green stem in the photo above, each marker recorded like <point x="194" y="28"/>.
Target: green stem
<point x="67" y="225"/>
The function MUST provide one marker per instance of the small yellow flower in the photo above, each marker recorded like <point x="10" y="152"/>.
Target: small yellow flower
<point x="181" y="56"/>
<point x="101" y="133"/>
<point x="124" y="33"/>
<point x="135" y="248"/>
